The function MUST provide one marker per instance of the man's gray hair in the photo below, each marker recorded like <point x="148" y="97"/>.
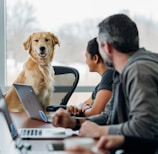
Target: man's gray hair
<point x="120" y="32"/>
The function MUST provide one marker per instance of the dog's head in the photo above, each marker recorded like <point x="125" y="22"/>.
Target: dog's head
<point x="41" y="46"/>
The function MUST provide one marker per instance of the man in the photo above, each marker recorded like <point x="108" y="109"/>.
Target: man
<point x="119" y="143"/>
<point x="133" y="110"/>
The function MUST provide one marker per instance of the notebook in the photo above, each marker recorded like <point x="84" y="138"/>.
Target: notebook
<point x="31" y="103"/>
<point x="31" y="133"/>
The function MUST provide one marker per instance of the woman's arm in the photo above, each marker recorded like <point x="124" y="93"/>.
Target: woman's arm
<point x="89" y="108"/>
<point x="102" y="97"/>
<point x="77" y="110"/>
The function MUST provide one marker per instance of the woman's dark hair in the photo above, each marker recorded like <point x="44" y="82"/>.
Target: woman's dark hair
<point x="93" y="49"/>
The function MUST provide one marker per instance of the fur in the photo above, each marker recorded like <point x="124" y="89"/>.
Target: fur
<point x="37" y="70"/>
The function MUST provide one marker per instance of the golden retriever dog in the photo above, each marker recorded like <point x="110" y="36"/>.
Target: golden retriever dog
<point x="37" y="70"/>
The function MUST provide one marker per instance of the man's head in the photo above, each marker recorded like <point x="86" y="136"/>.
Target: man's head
<point x="120" y="32"/>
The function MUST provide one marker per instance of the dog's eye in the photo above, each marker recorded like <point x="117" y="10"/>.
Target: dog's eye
<point x="46" y="40"/>
<point x="36" y="40"/>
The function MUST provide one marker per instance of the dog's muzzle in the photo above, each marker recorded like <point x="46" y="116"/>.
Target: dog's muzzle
<point x="42" y="51"/>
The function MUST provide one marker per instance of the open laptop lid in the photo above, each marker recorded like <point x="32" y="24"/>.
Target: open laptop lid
<point x="30" y="102"/>
<point x="5" y="115"/>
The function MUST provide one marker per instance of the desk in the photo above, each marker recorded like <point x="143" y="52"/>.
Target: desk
<point x="21" y="120"/>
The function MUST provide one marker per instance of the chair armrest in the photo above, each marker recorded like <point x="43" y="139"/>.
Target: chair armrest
<point x="53" y="108"/>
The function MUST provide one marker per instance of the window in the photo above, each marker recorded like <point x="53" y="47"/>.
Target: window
<point x="74" y="22"/>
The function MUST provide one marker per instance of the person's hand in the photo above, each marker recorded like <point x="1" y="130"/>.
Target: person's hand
<point x="62" y="118"/>
<point x="90" y="129"/>
<point x="73" y="110"/>
<point x="85" y="106"/>
<point x="110" y="142"/>
<point x="104" y="145"/>
<point x="78" y="150"/>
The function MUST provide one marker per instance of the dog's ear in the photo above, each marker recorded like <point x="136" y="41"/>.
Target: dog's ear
<point x="55" y="39"/>
<point x="27" y="43"/>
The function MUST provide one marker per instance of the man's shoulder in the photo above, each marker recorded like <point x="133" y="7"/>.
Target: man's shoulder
<point x="140" y="59"/>
<point x="143" y="55"/>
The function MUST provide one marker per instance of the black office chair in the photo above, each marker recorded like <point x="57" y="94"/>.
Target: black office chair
<point x="60" y="75"/>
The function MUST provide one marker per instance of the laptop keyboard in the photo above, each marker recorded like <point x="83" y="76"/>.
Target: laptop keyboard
<point x="31" y="132"/>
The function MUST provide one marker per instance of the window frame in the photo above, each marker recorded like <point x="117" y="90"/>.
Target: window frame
<point x="3" y="45"/>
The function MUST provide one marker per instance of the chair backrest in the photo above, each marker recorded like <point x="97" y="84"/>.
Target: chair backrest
<point x="66" y="80"/>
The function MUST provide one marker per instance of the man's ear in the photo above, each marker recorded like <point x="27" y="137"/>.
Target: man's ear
<point x="108" y="48"/>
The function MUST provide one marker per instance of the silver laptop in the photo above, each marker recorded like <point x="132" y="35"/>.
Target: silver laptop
<point x="6" y="118"/>
<point x="31" y="133"/>
<point x="11" y="138"/>
<point x="31" y="103"/>
<point x="8" y="133"/>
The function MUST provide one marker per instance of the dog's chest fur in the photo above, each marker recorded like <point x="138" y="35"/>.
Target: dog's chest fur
<point x="48" y="74"/>
<point x="46" y="86"/>
<point x="41" y="77"/>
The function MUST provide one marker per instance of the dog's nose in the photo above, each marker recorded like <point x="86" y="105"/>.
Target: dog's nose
<point x="42" y="48"/>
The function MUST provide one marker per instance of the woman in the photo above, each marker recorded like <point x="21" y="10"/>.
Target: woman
<point x="96" y="103"/>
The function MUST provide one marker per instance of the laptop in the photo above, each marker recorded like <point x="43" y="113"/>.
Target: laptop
<point x="31" y="103"/>
<point x="31" y="133"/>
<point x="11" y="140"/>
<point x="8" y="132"/>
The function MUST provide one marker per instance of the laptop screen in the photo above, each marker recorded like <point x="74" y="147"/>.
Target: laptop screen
<point x="4" y="110"/>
